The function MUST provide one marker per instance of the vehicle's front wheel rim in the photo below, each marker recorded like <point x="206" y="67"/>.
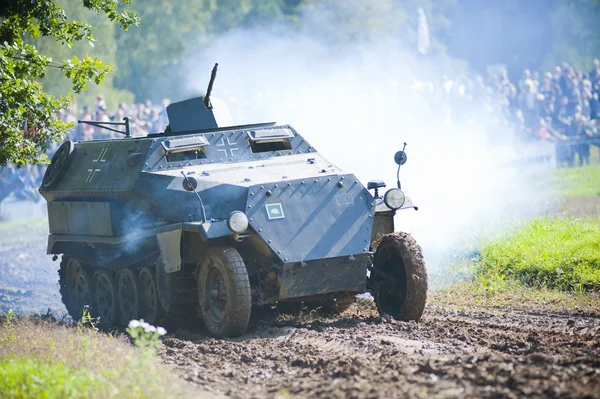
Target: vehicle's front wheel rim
<point x="215" y="291"/>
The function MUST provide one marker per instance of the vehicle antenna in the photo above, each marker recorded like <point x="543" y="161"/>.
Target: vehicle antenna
<point x="191" y="185"/>
<point x="213" y="76"/>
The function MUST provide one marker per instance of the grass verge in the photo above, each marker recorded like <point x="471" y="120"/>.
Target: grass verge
<point x="552" y="264"/>
<point x="548" y="253"/>
<point x="46" y="359"/>
<point x="510" y="294"/>
<point x="578" y="181"/>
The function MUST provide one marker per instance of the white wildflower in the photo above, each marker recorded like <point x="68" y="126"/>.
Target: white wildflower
<point x="161" y="331"/>
<point x="134" y="324"/>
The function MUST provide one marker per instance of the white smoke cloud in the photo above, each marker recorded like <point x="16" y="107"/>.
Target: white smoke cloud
<point x="358" y="104"/>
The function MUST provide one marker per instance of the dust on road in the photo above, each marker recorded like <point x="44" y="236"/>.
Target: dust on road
<point x="450" y="353"/>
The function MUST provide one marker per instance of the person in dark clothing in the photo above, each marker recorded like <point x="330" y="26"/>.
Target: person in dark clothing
<point x="582" y="131"/>
<point x="595" y="105"/>
<point x="573" y="94"/>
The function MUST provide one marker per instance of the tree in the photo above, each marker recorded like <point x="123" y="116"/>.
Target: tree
<point x="28" y="125"/>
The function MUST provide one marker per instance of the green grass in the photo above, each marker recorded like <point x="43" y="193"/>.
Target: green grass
<point x="549" y="264"/>
<point x="578" y="182"/>
<point x="47" y="359"/>
<point x="28" y="378"/>
<point x="551" y="253"/>
<point x="514" y="295"/>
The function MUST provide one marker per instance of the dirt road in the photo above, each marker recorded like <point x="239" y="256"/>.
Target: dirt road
<point x="450" y="353"/>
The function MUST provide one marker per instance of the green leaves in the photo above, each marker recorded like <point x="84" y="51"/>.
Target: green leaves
<point x="28" y="125"/>
<point x="85" y="70"/>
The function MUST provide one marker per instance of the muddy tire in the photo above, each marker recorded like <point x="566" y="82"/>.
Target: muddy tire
<point x="224" y="296"/>
<point x="75" y="286"/>
<point x="398" y="278"/>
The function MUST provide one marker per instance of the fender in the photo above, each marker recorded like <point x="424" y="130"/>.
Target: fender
<point x="384" y="220"/>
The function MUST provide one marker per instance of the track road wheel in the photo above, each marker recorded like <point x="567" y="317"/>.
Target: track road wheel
<point x="75" y="286"/>
<point x="224" y="292"/>
<point x="105" y="299"/>
<point x="399" y="278"/>
<point x="151" y="310"/>
<point x="128" y="296"/>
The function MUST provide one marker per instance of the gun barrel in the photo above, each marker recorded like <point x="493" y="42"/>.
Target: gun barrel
<point x="213" y="76"/>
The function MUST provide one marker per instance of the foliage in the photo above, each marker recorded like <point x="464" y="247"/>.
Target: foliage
<point x="42" y="358"/>
<point x="28" y="378"/>
<point x="27" y="113"/>
<point x="152" y="60"/>
<point x="552" y="253"/>
<point x="577" y="37"/>
<point x="171" y="32"/>
<point x="104" y="49"/>
<point x="145" y="335"/>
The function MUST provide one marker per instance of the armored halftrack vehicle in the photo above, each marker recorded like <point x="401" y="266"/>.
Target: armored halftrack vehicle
<point x="217" y="219"/>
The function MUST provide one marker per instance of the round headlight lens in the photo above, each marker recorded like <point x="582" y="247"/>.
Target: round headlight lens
<point x="237" y="222"/>
<point x="394" y="198"/>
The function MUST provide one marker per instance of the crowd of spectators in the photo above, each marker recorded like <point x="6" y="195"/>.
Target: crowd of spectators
<point x="555" y="105"/>
<point x="559" y="105"/>
<point x="562" y="105"/>
<point x="144" y="118"/>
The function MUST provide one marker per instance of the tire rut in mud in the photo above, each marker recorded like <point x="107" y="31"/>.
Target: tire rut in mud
<point x="449" y="353"/>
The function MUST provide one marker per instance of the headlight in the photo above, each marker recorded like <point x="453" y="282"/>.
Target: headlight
<point x="237" y="222"/>
<point x="394" y="198"/>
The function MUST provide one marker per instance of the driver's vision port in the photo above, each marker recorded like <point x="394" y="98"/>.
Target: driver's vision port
<point x="281" y="145"/>
<point x="190" y="155"/>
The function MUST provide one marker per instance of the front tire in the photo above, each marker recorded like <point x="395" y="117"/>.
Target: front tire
<point x="398" y="278"/>
<point x="224" y="295"/>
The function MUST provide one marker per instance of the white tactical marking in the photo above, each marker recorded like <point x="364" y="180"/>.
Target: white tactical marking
<point x="91" y="175"/>
<point x="229" y="147"/>
<point x="92" y="172"/>
<point x="101" y="156"/>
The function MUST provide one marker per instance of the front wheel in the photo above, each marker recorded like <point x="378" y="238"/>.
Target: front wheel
<point x="398" y="278"/>
<point x="224" y="295"/>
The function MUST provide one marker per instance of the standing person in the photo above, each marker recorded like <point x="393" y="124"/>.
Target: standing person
<point x="595" y="102"/>
<point x="100" y="103"/>
<point x="85" y="131"/>
<point x="100" y="133"/>
<point x="573" y="94"/>
<point x="583" y="132"/>
<point x="549" y="87"/>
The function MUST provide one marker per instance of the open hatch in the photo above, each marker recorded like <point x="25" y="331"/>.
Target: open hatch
<point x="185" y="148"/>
<point x="268" y="140"/>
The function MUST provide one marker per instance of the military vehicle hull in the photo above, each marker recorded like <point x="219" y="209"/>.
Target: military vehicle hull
<point x="150" y="227"/>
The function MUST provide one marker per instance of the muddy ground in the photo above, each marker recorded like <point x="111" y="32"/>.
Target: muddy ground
<point x="452" y="352"/>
